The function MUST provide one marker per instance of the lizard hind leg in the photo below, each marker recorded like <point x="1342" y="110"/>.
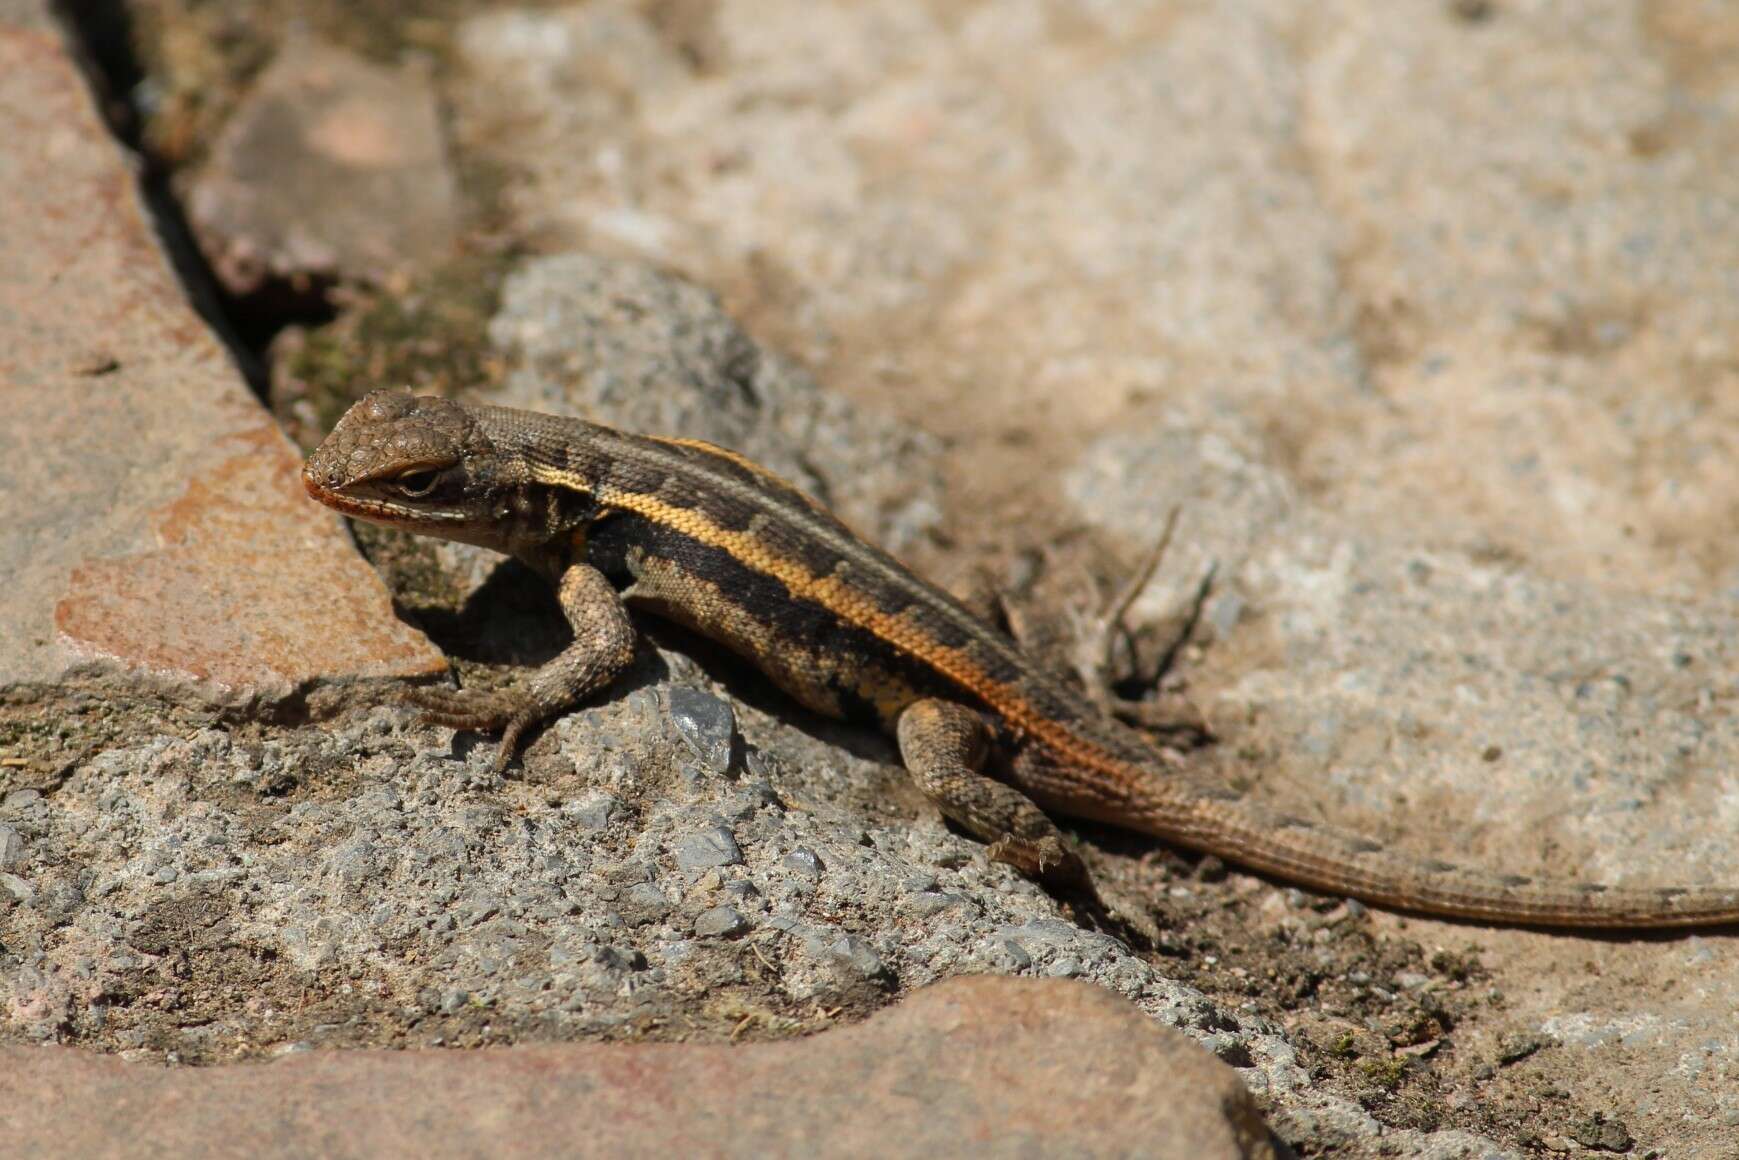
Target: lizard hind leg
<point x="602" y="648"/>
<point x="944" y="746"/>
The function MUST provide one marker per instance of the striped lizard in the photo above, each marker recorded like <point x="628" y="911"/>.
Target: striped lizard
<point x="697" y="534"/>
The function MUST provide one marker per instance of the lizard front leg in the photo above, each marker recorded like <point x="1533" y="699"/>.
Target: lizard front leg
<point x="944" y="746"/>
<point x="603" y="647"/>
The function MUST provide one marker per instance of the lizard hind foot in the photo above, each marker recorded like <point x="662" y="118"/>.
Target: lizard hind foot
<point x="476" y="710"/>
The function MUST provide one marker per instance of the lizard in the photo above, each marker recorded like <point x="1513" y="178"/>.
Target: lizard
<point x="697" y="534"/>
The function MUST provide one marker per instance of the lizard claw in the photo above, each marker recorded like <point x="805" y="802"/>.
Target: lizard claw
<point x="472" y="709"/>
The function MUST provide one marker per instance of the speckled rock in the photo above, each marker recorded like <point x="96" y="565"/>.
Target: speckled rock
<point x="1420" y="312"/>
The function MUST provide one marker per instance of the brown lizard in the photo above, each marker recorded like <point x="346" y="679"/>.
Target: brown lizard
<point x="697" y="534"/>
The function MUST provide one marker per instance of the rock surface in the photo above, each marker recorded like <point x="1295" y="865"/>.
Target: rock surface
<point x="1445" y="393"/>
<point x="155" y="520"/>
<point x="622" y="343"/>
<point x="332" y="168"/>
<point x="998" y="1067"/>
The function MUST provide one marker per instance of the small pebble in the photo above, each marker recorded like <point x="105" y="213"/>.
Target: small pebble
<point x="706" y="724"/>
<point x="643" y="903"/>
<point x="1010" y="955"/>
<point x="11" y="848"/>
<point x="595" y="814"/>
<point x="1599" y="1134"/>
<point x="856" y="956"/>
<point x="1517" y="1046"/>
<point x="802" y="861"/>
<point x="18" y="888"/>
<point x="712" y="847"/>
<point x="720" y="922"/>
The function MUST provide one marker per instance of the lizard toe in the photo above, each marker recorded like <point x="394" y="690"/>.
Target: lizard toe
<point x="1044" y="858"/>
<point x="462" y="708"/>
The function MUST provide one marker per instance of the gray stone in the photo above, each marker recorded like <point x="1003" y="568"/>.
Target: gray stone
<point x="802" y="862"/>
<point x="720" y="922"/>
<point x="1007" y="954"/>
<point x="856" y="957"/>
<point x="745" y="892"/>
<point x="710" y="848"/>
<point x="12" y="851"/>
<point x="705" y="724"/>
<point x="642" y="903"/>
<point x="18" y="888"/>
<point x="594" y="813"/>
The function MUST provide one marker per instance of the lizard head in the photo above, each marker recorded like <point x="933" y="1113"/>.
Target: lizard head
<point x="417" y="462"/>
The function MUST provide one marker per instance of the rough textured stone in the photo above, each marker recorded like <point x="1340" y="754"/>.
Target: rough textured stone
<point x="929" y="1077"/>
<point x="154" y="516"/>
<point x="1423" y="312"/>
<point x="707" y="849"/>
<point x="720" y="922"/>
<point x="226" y="882"/>
<point x="332" y="167"/>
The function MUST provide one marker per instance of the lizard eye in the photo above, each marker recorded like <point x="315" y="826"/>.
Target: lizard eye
<point x="416" y="484"/>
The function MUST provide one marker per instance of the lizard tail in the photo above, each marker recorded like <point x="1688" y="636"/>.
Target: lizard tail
<point x="1337" y="861"/>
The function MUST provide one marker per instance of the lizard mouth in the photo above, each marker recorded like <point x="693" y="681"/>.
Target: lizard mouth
<point x="372" y="509"/>
<point x="331" y="497"/>
<point x="361" y="507"/>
